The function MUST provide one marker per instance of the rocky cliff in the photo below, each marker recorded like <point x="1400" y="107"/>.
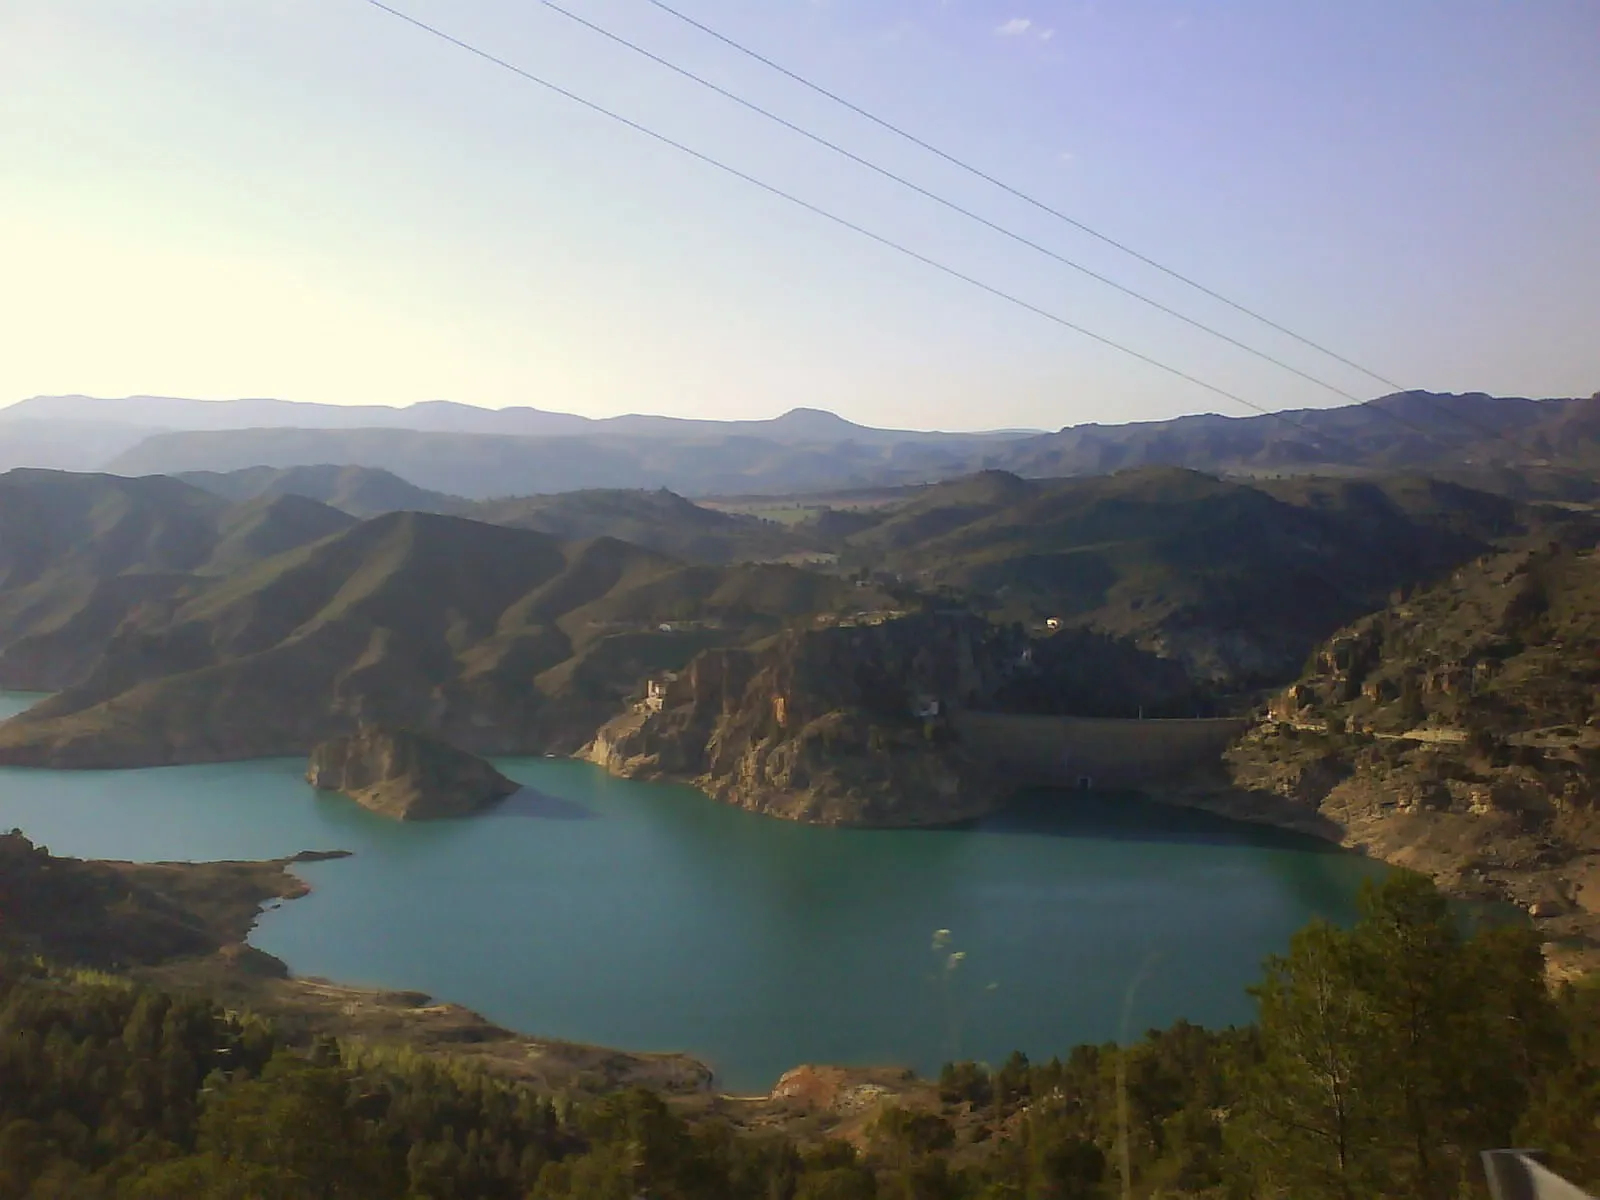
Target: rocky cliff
<point x="405" y="775"/>
<point x="849" y="725"/>
<point x="1456" y="732"/>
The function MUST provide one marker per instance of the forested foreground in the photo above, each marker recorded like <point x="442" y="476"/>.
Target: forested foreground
<point x="1385" y="1058"/>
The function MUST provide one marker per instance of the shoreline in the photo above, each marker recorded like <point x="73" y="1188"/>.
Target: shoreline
<point x="1438" y="845"/>
<point x="240" y="975"/>
<point x="807" y="1101"/>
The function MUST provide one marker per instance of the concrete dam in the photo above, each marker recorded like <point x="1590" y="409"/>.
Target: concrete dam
<point x="1084" y="752"/>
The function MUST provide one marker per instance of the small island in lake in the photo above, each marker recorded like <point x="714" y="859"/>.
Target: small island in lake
<point x="406" y="775"/>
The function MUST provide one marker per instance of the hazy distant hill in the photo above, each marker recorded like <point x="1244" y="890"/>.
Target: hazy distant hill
<point x="484" y="466"/>
<point x="659" y="520"/>
<point x="482" y="453"/>
<point x="1236" y="580"/>
<point x="63" y="445"/>
<point x="1404" y="430"/>
<point x="800" y="425"/>
<point x="359" y="491"/>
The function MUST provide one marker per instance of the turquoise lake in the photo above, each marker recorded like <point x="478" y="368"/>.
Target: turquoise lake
<point x="649" y="917"/>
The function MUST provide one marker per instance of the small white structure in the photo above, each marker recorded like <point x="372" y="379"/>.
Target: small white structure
<point x="1052" y="622"/>
<point x="655" y="694"/>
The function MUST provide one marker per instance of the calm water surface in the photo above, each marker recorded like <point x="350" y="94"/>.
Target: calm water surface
<point x="649" y="917"/>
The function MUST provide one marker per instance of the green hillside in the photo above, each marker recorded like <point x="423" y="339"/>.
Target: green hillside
<point x="359" y="491"/>
<point x="660" y="520"/>
<point x="79" y="553"/>
<point x="1235" y="579"/>
<point x="501" y="639"/>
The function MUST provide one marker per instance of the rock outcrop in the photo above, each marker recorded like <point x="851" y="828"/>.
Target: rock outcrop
<point x="405" y="775"/>
<point x="1456" y="733"/>
<point x="849" y="725"/>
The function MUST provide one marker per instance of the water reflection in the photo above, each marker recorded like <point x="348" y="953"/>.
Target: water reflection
<point x="531" y="802"/>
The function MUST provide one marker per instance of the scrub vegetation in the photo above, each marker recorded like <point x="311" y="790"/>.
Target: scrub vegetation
<point x="1384" y="1058"/>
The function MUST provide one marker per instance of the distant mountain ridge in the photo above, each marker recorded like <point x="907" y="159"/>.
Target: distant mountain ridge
<point x="659" y="520"/>
<point x="359" y="491"/>
<point x="178" y="414"/>
<point x="177" y="626"/>
<point x="1402" y="430"/>
<point x="483" y="454"/>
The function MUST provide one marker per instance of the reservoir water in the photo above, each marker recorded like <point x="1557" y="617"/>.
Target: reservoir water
<point x="649" y="917"/>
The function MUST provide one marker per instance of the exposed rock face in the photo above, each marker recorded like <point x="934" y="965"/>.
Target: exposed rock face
<point x="405" y="775"/>
<point x="837" y="726"/>
<point x="1456" y="733"/>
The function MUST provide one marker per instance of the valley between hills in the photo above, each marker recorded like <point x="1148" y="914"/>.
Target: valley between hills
<point x="810" y="667"/>
<point x="1401" y="653"/>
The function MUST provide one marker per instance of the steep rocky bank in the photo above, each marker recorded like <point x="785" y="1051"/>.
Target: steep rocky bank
<point x="1457" y="732"/>
<point x="406" y="775"/>
<point x="850" y="725"/>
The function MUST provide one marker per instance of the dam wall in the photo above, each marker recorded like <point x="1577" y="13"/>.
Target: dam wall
<point x="1091" y="752"/>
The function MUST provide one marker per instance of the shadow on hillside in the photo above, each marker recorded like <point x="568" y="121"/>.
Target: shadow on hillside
<point x="530" y="802"/>
<point x="1133" y="817"/>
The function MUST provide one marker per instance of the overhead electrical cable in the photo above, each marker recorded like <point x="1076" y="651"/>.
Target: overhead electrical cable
<point x="979" y="173"/>
<point x="1018" y="193"/>
<point x="854" y="227"/>
<point x="944" y="201"/>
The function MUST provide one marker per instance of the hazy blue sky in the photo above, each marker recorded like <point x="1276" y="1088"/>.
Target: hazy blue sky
<point x="310" y="199"/>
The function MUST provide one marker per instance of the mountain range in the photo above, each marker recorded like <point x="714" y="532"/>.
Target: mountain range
<point x="486" y="453"/>
<point x="175" y="624"/>
<point x="658" y="520"/>
<point x="1234" y="578"/>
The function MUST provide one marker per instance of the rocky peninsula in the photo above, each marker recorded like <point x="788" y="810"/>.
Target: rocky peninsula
<point x="850" y="724"/>
<point x="406" y="775"/>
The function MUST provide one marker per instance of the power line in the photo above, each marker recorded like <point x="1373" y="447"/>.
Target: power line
<point x="849" y="224"/>
<point x="868" y="233"/>
<point x="977" y="172"/>
<point x="1016" y="237"/>
<point x="941" y="200"/>
<point x="1017" y="192"/>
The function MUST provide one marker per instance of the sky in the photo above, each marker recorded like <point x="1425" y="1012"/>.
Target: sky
<point x="314" y="200"/>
